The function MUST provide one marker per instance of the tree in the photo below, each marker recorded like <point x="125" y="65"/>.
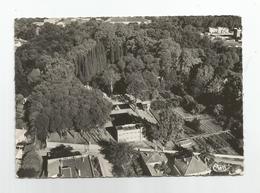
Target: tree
<point x="89" y="59"/>
<point x="190" y="57"/>
<point x="195" y="124"/>
<point x="169" y="52"/>
<point x="232" y="94"/>
<point x="190" y="105"/>
<point x="19" y="99"/>
<point x="119" y="154"/>
<point x="202" y="77"/>
<point x="62" y="151"/>
<point x="218" y="110"/>
<point x="31" y="163"/>
<point x="106" y="80"/>
<point x="151" y="81"/>
<point x="24" y="28"/>
<point x="136" y="85"/>
<point x="34" y="76"/>
<point x="133" y="64"/>
<point x="59" y="106"/>
<point x="170" y="127"/>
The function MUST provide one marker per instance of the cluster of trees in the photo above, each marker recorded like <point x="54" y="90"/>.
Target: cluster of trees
<point x="170" y="127"/>
<point x="62" y="151"/>
<point x="31" y="165"/>
<point x="60" y="106"/>
<point x="121" y="155"/>
<point x="169" y="55"/>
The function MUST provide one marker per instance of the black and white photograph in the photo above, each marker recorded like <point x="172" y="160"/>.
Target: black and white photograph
<point x="135" y="96"/>
<point x="140" y="96"/>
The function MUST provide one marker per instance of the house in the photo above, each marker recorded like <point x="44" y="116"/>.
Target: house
<point x="38" y="23"/>
<point x="237" y="33"/>
<point x="219" y="30"/>
<point x="126" y="117"/>
<point x="52" y="20"/>
<point x="20" y="140"/>
<point x="125" y="127"/>
<point x="188" y="166"/>
<point x="19" y="42"/>
<point x="71" y="167"/>
<point x="152" y="161"/>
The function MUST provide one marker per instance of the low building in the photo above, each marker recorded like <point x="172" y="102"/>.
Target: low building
<point x="52" y="20"/>
<point x="129" y="133"/>
<point x="125" y="127"/>
<point x="19" y="42"/>
<point x="71" y="167"/>
<point x="152" y="162"/>
<point x="188" y="166"/>
<point x="219" y="30"/>
<point x="237" y="33"/>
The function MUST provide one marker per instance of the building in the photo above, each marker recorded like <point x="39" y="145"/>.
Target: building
<point x="128" y="20"/>
<point x="20" y="140"/>
<point x="52" y="20"/>
<point x="219" y="30"/>
<point x="73" y="167"/>
<point x="127" y="115"/>
<point x="19" y="42"/>
<point x="188" y="166"/>
<point x="153" y="162"/>
<point x="237" y="34"/>
<point x="125" y="127"/>
<point x="129" y="133"/>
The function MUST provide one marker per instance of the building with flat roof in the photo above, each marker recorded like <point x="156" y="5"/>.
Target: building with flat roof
<point x="129" y="133"/>
<point x="125" y="127"/>
<point x="219" y="30"/>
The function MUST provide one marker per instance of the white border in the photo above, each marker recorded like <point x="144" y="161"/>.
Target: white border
<point x="57" y="8"/>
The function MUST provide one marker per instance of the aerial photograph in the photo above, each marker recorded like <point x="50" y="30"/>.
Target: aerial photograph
<point x="136" y="96"/>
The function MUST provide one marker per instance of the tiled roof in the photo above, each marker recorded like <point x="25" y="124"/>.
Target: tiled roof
<point x="153" y="157"/>
<point x="71" y="167"/>
<point x="191" y="166"/>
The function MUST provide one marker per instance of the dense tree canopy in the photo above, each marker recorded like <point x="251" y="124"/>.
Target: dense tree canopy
<point x="120" y="155"/>
<point x="169" y="55"/>
<point x="170" y="126"/>
<point x="31" y="163"/>
<point x="59" y="106"/>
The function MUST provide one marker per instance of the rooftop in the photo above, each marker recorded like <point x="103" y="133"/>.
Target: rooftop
<point x="153" y="157"/>
<point x="20" y="135"/>
<point x="123" y="119"/>
<point x="192" y="165"/>
<point x="71" y="167"/>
